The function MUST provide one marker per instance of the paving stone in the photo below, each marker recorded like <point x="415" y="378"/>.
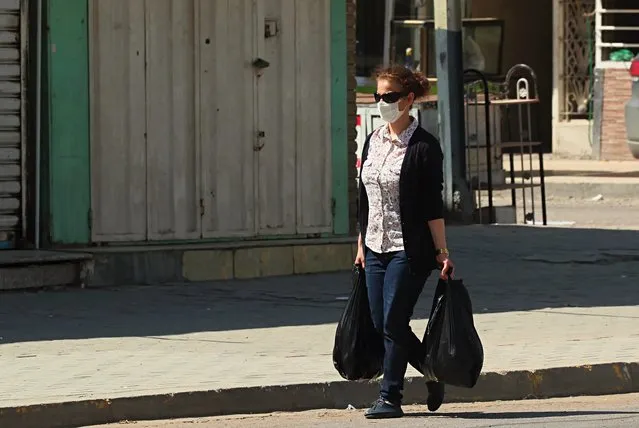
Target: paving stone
<point x="127" y="341"/>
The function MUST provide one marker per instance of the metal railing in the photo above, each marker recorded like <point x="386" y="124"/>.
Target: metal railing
<point x="475" y="88"/>
<point x="512" y="107"/>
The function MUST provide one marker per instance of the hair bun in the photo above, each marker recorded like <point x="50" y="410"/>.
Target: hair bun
<point x="423" y="82"/>
<point x="410" y="81"/>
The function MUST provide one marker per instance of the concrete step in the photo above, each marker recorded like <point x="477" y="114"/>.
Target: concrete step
<point x="504" y="214"/>
<point x="178" y="263"/>
<point x="584" y="179"/>
<point x="33" y="269"/>
<point x="565" y="188"/>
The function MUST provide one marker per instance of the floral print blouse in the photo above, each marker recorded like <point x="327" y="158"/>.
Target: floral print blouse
<point x="380" y="177"/>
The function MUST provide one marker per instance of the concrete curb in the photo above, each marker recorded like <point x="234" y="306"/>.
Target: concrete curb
<point x="170" y="264"/>
<point x="585" y="190"/>
<point x="602" y="379"/>
<point x="588" y="190"/>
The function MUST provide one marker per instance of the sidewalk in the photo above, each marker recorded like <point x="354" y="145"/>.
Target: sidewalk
<point x="544" y="298"/>
<point x="584" y="179"/>
<point x="621" y="170"/>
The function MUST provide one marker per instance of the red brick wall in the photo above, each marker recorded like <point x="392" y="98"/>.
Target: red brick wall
<point x="616" y="92"/>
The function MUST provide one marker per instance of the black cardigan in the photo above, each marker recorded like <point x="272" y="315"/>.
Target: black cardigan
<point x="421" y="181"/>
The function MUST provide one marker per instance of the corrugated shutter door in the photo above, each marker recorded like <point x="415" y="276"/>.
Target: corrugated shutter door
<point x="10" y="120"/>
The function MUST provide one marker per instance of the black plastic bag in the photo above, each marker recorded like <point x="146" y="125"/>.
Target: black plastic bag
<point x="454" y="353"/>
<point x="358" y="352"/>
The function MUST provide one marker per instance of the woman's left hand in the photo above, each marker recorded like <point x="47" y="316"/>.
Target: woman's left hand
<point x="447" y="267"/>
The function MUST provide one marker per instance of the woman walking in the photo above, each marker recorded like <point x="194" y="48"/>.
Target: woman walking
<point x="402" y="232"/>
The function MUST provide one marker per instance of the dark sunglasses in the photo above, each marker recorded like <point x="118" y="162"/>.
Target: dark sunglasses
<point x="389" y="97"/>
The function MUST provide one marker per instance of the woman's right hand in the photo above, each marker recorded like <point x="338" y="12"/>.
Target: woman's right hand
<point x="359" y="259"/>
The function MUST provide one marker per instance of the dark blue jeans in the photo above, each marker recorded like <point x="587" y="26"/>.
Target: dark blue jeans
<point x="393" y="291"/>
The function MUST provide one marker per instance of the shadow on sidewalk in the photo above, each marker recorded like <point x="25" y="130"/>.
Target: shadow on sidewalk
<point x="506" y="269"/>
<point x="522" y="415"/>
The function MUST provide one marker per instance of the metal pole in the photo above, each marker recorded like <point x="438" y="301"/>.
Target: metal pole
<point x="450" y="106"/>
<point x="389" y="14"/>
<point x="38" y="120"/>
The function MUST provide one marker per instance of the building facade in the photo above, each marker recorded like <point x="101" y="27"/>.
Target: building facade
<point x="572" y="45"/>
<point x="616" y="29"/>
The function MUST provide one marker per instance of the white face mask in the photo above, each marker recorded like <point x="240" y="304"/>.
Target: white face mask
<point x="389" y="112"/>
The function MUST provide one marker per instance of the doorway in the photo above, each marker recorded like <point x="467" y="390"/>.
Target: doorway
<point x="210" y="118"/>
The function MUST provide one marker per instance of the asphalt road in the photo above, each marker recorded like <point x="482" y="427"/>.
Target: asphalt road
<point x="617" y="411"/>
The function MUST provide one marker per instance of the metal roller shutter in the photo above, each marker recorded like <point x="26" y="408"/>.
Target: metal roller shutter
<point x="11" y="107"/>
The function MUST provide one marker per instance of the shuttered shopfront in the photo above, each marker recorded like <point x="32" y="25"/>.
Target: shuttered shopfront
<point x="12" y="92"/>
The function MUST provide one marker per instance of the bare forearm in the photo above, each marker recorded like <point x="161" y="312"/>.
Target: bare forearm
<point x="438" y="231"/>
<point x="359" y="241"/>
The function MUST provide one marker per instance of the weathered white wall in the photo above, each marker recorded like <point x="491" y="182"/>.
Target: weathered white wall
<point x="118" y="125"/>
<point x="172" y="149"/>
<point x="189" y="139"/>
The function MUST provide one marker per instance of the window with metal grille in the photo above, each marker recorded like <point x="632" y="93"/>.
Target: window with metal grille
<point x="576" y="50"/>
<point x="617" y="32"/>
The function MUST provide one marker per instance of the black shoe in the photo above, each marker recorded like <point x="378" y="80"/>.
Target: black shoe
<point x="382" y="409"/>
<point x="435" y="395"/>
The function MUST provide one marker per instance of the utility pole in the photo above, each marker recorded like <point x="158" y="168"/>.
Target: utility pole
<point x="458" y="198"/>
<point x="389" y="15"/>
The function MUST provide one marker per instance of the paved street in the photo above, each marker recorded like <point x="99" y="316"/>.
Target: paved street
<point x="617" y="411"/>
<point x="544" y="297"/>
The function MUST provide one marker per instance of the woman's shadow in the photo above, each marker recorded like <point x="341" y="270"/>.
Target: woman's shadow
<point x="522" y="415"/>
